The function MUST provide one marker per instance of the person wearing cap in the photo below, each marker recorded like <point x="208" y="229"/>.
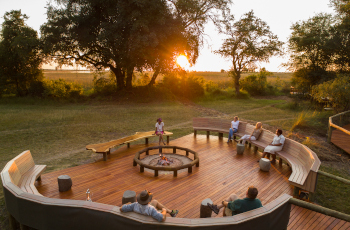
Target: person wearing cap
<point x="160" y="130"/>
<point x="148" y="207"/>
<point x="234" y="206"/>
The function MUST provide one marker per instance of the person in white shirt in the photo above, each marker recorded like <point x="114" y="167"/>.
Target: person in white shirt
<point x="160" y="130"/>
<point x="275" y="146"/>
<point x="234" y="128"/>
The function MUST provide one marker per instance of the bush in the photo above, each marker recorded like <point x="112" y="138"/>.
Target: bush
<point x="257" y="84"/>
<point x="190" y="87"/>
<point x="337" y="91"/>
<point x="104" y="86"/>
<point x="37" y="88"/>
<point x="61" y="89"/>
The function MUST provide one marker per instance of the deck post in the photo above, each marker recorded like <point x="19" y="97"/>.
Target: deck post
<point x="186" y="153"/>
<point x="221" y="135"/>
<point x="174" y="150"/>
<point x="105" y="156"/>
<point x="250" y="145"/>
<point x="175" y="173"/>
<point x="234" y="137"/>
<point x="190" y="169"/>
<point x="147" y="152"/>
<point x="160" y="150"/>
<point x="197" y="165"/>
<point x="280" y="161"/>
<point x="330" y="130"/>
<point x="256" y="149"/>
<point x="155" y="173"/>
<point x="146" y="141"/>
<point x="128" y="145"/>
<point x="142" y="169"/>
<point x="167" y="139"/>
<point x="296" y="191"/>
<point x="208" y="133"/>
<point x="195" y="133"/>
<point x="134" y="163"/>
<point x="12" y="222"/>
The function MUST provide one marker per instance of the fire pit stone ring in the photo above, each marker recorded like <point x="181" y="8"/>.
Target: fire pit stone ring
<point x="156" y="168"/>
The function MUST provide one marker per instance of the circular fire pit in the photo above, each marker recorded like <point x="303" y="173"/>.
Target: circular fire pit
<point x="167" y="161"/>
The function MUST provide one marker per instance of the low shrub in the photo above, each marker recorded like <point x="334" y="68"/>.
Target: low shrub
<point x="189" y="87"/>
<point x="104" y="86"/>
<point x="62" y="89"/>
<point x="257" y="85"/>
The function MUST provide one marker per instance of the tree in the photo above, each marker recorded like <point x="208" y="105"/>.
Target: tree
<point x="336" y="91"/>
<point x="20" y="58"/>
<point x="193" y="14"/>
<point x="120" y="35"/>
<point x="312" y="43"/>
<point x="249" y="41"/>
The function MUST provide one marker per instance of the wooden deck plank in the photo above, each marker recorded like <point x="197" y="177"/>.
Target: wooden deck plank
<point x="341" y="139"/>
<point x="221" y="173"/>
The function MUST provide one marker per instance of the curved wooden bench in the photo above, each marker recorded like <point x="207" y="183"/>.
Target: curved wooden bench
<point x="105" y="148"/>
<point x="23" y="172"/>
<point x="41" y="212"/>
<point x="303" y="161"/>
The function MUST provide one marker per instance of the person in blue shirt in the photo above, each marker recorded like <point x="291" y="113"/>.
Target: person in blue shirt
<point x="234" y="206"/>
<point x="146" y="206"/>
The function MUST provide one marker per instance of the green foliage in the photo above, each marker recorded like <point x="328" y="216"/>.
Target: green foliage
<point x="104" y="86"/>
<point x="20" y="58"/>
<point x="61" y="89"/>
<point x="337" y="91"/>
<point x="189" y="87"/>
<point x="249" y="40"/>
<point x="305" y="78"/>
<point x="256" y="84"/>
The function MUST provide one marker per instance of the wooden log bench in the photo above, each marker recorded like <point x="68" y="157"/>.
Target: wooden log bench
<point x="106" y="147"/>
<point x="23" y="172"/>
<point x="303" y="161"/>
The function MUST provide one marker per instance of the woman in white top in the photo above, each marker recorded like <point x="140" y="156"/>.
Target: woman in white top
<point x="275" y="146"/>
<point x="234" y="128"/>
<point x="160" y="130"/>
<point x="254" y="136"/>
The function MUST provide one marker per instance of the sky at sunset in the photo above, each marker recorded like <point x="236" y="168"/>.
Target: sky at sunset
<point x="279" y="15"/>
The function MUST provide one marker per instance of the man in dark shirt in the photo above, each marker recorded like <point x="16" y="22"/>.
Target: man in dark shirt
<point x="234" y="206"/>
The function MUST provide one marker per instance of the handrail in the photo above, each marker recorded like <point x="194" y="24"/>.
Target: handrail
<point x="345" y="181"/>
<point x="320" y="209"/>
<point x="331" y="124"/>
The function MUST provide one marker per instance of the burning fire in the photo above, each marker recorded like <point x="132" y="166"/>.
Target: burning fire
<point x="164" y="160"/>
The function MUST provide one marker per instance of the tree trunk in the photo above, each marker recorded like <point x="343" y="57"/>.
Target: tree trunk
<point x="119" y="77"/>
<point x="155" y="75"/>
<point x="129" y="73"/>
<point x="237" y="77"/>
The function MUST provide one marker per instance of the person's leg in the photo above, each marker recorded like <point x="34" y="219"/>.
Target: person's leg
<point x="245" y="137"/>
<point x="232" y="197"/>
<point x="161" y="136"/>
<point x="159" y="206"/>
<point x="273" y="158"/>
<point x="264" y="154"/>
<point x="230" y="134"/>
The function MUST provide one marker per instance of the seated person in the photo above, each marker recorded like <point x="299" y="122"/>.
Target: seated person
<point x="254" y="136"/>
<point x="234" y="128"/>
<point x="234" y="206"/>
<point x="146" y="207"/>
<point x="275" y="146"/>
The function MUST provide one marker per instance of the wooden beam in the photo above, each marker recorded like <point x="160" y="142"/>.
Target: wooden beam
<point x="208" y="133"/>
<point x="345" y="181"/>
<point x="12" y="222"/>
<point x="146" y="141"/>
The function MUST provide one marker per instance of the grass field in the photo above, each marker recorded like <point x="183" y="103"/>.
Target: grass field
<point x="85" y="77"/>
<point x="57" y="132"/>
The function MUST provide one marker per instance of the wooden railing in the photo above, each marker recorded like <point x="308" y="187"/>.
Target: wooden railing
<point x="332" y="125"/>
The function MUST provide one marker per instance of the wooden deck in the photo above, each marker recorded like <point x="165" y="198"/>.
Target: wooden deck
<point x="341" y="139"/>
<point x="220" y="173"/>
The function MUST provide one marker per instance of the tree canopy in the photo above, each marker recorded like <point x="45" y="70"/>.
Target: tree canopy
<point x="118" y="35"/>
<point x="249" y="41"/>
<point x="20" y="58"/>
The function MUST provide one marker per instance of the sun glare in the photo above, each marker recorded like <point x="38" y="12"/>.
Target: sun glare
<point x="182" y="61"/>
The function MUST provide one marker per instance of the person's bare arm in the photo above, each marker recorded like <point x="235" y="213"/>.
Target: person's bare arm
<point x="164" y="214"/>
<point x="155" y="131"/>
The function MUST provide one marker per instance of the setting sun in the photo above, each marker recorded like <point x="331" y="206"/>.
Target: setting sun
<point x="182" y="61"/>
